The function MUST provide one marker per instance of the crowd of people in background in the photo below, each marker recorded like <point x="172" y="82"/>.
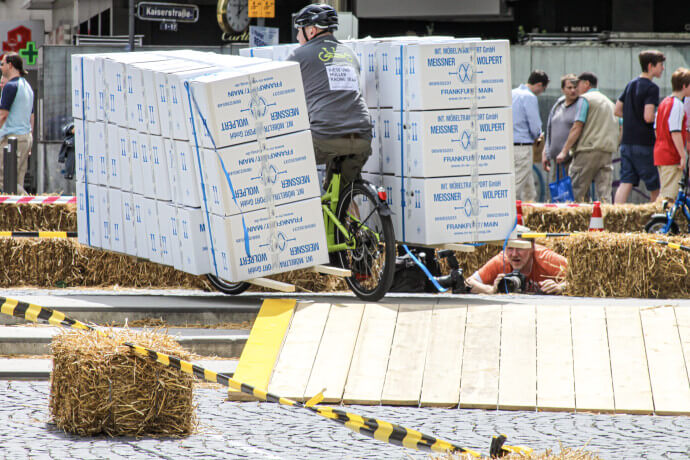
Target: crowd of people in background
<point x="584" y="129"/>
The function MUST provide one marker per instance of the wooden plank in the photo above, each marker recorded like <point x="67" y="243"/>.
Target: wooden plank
<point x="480" y="367"/>
<point x="683" y="321"/>
<point x="667" y="373"/>
<point x="405" y="372"/>
<point x="370" y="358"/>
<point x="555" y="379"/>
<point x="443" y="367"/>
<point x="272" y="284"/>
<point x="517" y="387"/>
<point x="333" y="359"/>
<point x="294" y="365"/>
<point x="331" y="270"/>
<point x="632" y="392"/>
<point x="593" y="386"/>
<point x="263" y="345"/>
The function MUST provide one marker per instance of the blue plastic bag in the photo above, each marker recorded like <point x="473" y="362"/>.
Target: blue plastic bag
<point x="562" y="189"/>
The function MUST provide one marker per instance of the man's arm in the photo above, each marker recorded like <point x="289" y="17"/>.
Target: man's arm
<point x="32" y="123"/>
<point x="3" y="117"/>
<point x="573" y="136"/>
<point x="677" y="138"/>
<point x="478" y="287"/>
<point x="618" y="111"/>
<point x="648" y="115"/>
<point x="533" y="118"/>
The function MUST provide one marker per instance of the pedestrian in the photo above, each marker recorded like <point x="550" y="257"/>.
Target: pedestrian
<point x="527" y="129"/>
<point x="670" y="154"/>
<point x="591" y="141"/>
<point x="636" y="105"/>
<point x="16" y="114"/>
<point x="561" y="119"/>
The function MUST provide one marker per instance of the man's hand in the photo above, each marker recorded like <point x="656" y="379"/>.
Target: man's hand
<point x="552" y="287"/>
<point x="545" y="163"/>
<point x="562" y="157"/>
<point x="683" y="160"/>
<point x="477" y="287"/>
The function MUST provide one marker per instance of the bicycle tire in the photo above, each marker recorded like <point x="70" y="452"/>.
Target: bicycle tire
<point x="373" y="260"/>
<point x="226" y="287"/>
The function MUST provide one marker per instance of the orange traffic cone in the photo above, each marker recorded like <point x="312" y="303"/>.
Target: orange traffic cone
<point x="596" y="223"/>
<point x="518" y="205"/>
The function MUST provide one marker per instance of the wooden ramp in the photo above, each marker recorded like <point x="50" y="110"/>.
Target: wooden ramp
<point x="504" y="356"/>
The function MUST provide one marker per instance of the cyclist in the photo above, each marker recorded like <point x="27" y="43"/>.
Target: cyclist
<point x="340" y="121"/>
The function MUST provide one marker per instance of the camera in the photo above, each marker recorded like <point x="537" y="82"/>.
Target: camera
<point x="512" y="282"/>
<point x="455" y="279"/>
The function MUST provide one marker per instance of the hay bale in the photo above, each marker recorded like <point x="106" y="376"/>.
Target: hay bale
<point x="100" y="386"/>
<point x="38" y="217"/>
<point x="621" y="218"/>
<point x="603" y="264"/>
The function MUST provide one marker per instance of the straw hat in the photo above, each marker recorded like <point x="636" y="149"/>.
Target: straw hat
<point x="519" y="243"/>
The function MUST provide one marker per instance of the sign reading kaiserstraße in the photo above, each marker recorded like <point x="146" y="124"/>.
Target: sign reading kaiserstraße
<point x="158" y="11"/>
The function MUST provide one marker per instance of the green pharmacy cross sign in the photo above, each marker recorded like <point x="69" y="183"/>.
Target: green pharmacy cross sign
<point x="30" y="53"/>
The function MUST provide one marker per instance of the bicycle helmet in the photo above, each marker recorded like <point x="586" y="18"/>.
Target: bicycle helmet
<point x="322" y="16"/>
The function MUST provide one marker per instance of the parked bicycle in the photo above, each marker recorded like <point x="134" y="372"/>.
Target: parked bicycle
<point x="666" y="223"/>
<point x="360" y="237"/>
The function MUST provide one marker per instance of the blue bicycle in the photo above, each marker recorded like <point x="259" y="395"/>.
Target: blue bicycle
<point x="666" y="223"/>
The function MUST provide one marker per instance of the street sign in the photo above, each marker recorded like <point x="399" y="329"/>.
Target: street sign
<point x="169" y="26"/>
<point x="169" y="12"/>
<point x="262" y="8"/>
<point x="24" y="38"/>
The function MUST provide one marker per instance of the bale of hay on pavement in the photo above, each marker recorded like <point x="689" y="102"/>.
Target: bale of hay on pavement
<point x="603" y="264"/>
<point x="620" y="218"/>
<point x="38" y="217"/>
<point x="99" y="386"/>
<point x="63" y="262"/>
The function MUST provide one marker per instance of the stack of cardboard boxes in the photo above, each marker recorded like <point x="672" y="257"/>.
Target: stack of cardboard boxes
<point x="198" y="161"/>
<point x="442" y="141"/>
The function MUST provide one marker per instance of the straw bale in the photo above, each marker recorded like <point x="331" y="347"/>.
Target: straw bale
<point x="100" y="386"/>
<point x="603" y="264"/>
<point x="621" y="218"/>
<point x="38" y="217"/>
<point x="564" y="454"/>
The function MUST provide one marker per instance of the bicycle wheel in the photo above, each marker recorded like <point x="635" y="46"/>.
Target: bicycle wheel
<point x="226" y="287"/>
<point x="372" y="261"/>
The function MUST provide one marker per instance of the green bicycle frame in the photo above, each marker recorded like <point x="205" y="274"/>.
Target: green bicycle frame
<point x="329" y="204"/>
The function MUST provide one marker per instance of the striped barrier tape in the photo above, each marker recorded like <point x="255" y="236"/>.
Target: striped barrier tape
<point x="39" y="234"/>
<point x="373" y="428"/>
<point x="557" y="205"/>
<point x="670" y="244"/>
<point x="532" y="235"/>
<point x="15" y="199"/>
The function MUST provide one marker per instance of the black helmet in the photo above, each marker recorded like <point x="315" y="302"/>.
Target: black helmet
<point x="321" y="16"/>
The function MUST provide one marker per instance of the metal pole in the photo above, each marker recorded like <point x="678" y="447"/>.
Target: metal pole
<point x="130" y="46"/>
<point x="10" y="170"/>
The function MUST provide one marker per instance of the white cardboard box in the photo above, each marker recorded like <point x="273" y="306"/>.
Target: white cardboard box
<point x="136" y="166"/>
<point x="125" y="163"/>
<point x="152" y="230"/>
<point x="439" y="143"/>
<point x="101" y="88"/>
<point x="439" y="210"/>
<point x="113" y="155"/>
<point x="149" y="190"/>
<point x="104" y="217"/>
<point x="440" y="75"/>
<point x="129" y="229"/>
<point x="95" y="152"/>
<point x="173" y="172"/>
<point x="82" y="224"/>
<point x="83" y="87"/>
<point x="80" y="141"/>
<point x="187" y="174"/>
<point x="373" y="164"/>
<point x="167" y="236"/>
<point x="117" y="237"/>
<point x="292" y="174"/>
<point x="194" y="241"/>
<point x="140" y="229"/>
<point x="160" y="168"/>
<point x="93" y="215"/>
<point x="299" y="231"/>
<point x="226" y="103"/>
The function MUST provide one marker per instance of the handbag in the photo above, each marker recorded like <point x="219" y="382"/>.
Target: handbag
<point x="562" y="189"/>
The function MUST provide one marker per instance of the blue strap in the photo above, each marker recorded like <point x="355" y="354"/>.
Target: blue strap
<point x="505" y="243"/>
<point x="402" y="147"/>
<point x="425" y="270"/>
<point x="225" y="171"/>
<point x="86" y="157"/>
<point x="201" y="178"/>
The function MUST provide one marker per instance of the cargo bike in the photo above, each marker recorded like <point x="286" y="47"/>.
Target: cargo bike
<point x="360" y="237"/>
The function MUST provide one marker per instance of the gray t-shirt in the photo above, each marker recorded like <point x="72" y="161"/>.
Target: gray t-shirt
<point x="330" y="74"/>
<point x="558" y="126"/>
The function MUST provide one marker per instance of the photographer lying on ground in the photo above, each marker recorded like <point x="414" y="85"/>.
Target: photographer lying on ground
<point x="524" y="267"/>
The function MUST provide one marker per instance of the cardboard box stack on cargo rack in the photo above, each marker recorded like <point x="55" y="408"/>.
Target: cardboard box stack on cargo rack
<point x="443" y="137"/>
<point x="196" y="160"/>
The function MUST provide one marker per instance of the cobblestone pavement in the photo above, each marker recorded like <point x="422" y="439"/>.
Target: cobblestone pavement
<point x="253" y="430"/>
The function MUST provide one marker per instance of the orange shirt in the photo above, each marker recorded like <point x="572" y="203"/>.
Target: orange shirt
<point x="547" y="265"/>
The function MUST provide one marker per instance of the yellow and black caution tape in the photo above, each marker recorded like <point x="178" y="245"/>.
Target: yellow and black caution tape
<point x="531" y="235"/>
<point x="670" y="244"/>
<point x="373" y="428"/>
<point x="39" y="234"/>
